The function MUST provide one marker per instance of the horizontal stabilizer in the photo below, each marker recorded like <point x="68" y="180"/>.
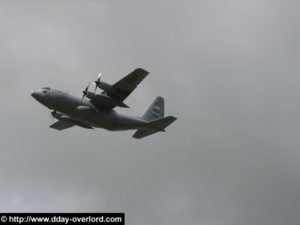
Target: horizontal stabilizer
<point x="140" y="133"/>
<point x="161" y="124"/>
<point x="154" y="127"/>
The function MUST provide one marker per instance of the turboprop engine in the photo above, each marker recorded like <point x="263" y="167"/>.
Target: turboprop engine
<point x="106" y="97"/>
<point x="107" y="88"/>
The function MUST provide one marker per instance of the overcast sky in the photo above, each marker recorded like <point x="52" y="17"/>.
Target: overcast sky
<point x="228" y="69"/>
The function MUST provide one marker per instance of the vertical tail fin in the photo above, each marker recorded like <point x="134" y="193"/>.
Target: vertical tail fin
<point x="156" y="110"/>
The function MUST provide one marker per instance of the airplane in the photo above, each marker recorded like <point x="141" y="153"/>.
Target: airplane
<point x="97" y="111"/>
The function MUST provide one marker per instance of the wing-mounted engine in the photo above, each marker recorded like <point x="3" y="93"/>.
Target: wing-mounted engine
<point x="104" y="101"/>
<point x="108" y="89"/>
<point x="58" y="115"/>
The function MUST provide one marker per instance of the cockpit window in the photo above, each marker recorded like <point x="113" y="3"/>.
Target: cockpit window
<point x="45" y="89"/>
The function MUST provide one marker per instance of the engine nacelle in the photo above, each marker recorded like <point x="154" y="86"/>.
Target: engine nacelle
<point x="107" y="88"/>
<point x="58" y="115"/>
<point x="101" y="98"/>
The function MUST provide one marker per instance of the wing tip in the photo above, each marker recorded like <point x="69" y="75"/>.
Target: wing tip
<point x="141" y="70"/>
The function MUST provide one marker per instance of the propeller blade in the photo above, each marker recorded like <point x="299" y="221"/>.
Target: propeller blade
<point x="87" y="88"/>
<point x="95" y="87"/>
<point x="85" y="91"/>
<point x="97" y="82"/>
<point x="99" y="76"/>
<point x="53" y="114"/>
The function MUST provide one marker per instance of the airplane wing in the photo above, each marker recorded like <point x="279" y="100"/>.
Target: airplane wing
<point x="126" y="85"/>
<point x="61" y="125"/>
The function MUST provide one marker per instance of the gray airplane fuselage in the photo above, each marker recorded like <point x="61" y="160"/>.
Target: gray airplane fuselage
<point x="85" y="112"/>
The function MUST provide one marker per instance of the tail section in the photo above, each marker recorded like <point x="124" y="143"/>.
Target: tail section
<point x="157" y="121"/>
<point x="156" y="110"/>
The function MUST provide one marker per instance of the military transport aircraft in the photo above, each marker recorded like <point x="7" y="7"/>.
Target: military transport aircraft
<point x="98" y="111"/>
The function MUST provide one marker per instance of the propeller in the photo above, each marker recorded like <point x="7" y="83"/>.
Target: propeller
<point x="85" y="91"/>
<point x="97" y="82"/>
<point x="53" y="114"/>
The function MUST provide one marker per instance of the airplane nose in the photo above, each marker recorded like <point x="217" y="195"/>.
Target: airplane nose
<point x="34" y="94"/>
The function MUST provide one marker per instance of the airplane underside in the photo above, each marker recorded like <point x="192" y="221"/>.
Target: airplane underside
<point x="89" y="119"/>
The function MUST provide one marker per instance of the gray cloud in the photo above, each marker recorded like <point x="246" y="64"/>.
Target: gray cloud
<point x="227" y="69"/>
